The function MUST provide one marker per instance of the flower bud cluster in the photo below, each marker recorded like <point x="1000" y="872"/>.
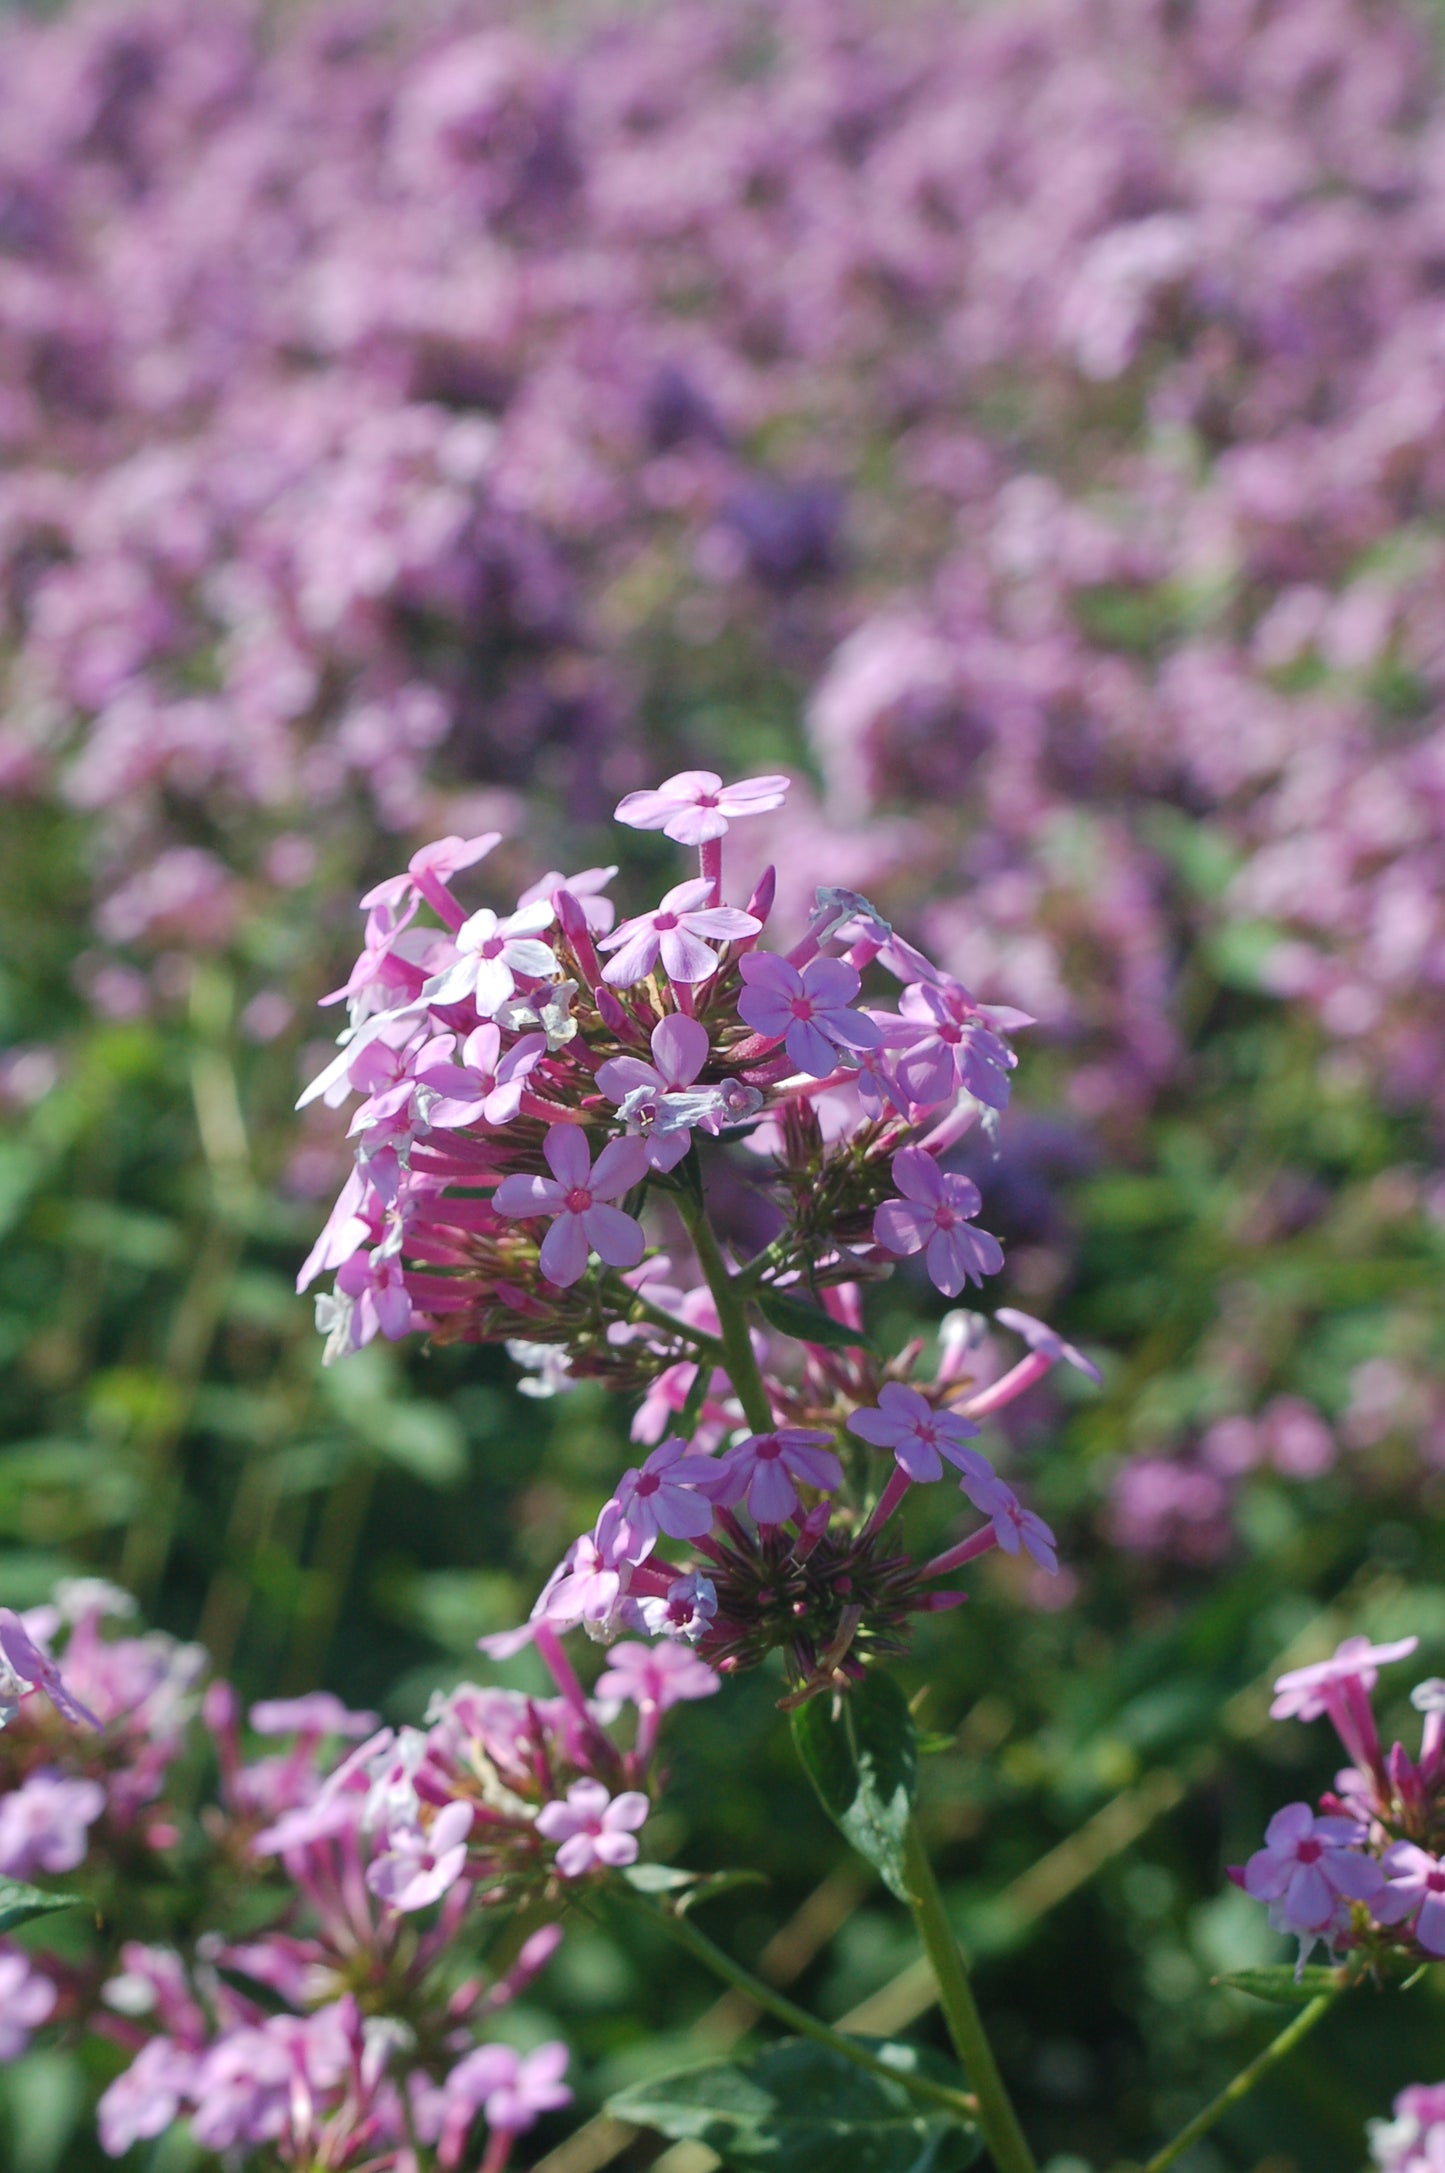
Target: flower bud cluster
<point x="1365" y="1875"/>
<point x="408" y="1884"/>
<point x="537" y="1086"/>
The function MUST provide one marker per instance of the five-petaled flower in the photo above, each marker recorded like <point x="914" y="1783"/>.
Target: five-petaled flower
<point x="668" y="1494"/>
<point x="656" y="1676"/>
<point x="695" y="805"/>
<point x="1309" y="1870"/>
<point x="1415" y="1894"/>
<point x="418" y="1866"/>
<point x="485" y="1087"/>
<point x="675" y="932"/>
<point x="920" y="1437"/>
<point x="934" y="1217"/>
<point x="808" y="1011"/>
<point x="768" y="1469"/>
<point x="1014" y="1526"/>
<point x="594" y="1828"/>
<point x="576" y="1196"/>
<point x="492" y="954"/>
<point x="1302" y="1694"/>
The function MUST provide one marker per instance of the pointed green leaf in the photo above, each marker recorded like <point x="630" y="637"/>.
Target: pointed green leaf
<point x="799" y="2107"/>
<point x="18" y="1904"/>
<point x="861" y="1754"/>
<point x="809" y="1323"/>
<point x="1280" y="1984"/>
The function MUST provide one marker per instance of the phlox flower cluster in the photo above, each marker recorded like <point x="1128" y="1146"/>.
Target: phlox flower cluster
<point x="1365" y="1875"/>
<point x="402" y="1887"/>
<point x="1413" y="2139"/>
<point x="547" y="1103"/>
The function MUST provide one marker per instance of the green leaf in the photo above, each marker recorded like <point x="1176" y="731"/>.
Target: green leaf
<point x="809" y="1323"/>
<point x="799" y="2107"/>
<point x="861" y="1754"/>
<point x="18" y="1904"/>
<point x="1280" y="1984"/>
<point x="690" y="1887"/>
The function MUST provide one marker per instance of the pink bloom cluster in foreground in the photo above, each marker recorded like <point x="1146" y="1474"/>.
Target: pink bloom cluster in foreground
<point x="1367" y="1876"/>
<point x="548" y="1104"/>
<point x="357" y="2022"/>
<point x="1413" y="2139"/>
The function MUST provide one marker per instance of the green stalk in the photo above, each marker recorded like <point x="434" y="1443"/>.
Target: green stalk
<point x="957" y="2102"/>
<point x="996" y="2116"/>
<point x="1278" y="2049"/>
<point x="732" y="1312"/>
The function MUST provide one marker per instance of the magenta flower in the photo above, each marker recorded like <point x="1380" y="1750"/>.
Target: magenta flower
<point x="594" y="1828"/>
<point x="679" y="1051"/>
<point x="26" y="2000"/>
<point x="428" y="870"/>
<point x="808" y="1011"/>
<point x="511" y="2092"/>
<point x="919" y="1436"/>
<point x="767" y="1470"/>
<point x="417" y="1867"/>
<point x="576" y="1197"/>
<point x="1302" y="1693"/>
<point x="31" y="1669"/>
<point x="1308" y="1868"/>
<point x="1014" y="1526"/>
<point x="656" y="1676"/>
<point x="318" y="1713"/>
<point x="664" y="1496"/>
<point x="379" y="1301"/>
<point x="684" y="1610"/>
<point x="1415" y="1894"/>
<point x="492" y="954"/>
<point x="949" y="1046"/>
<point x="696" y="805"/>
<point x="675" y="932"/>
<point x="933" y="1217"/>
<point x="44" y="1824"/>
<point x="146" y="2099"/>
<point x="485" y="1087"/>
<point x="1040" y="1337"/>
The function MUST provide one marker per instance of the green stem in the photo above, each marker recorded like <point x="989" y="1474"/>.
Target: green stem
<point x="732" y="1312"/>
<point x="957" y="2102"/>
<point x="996" y="2116"/>
<point x="1278" y="2049"/>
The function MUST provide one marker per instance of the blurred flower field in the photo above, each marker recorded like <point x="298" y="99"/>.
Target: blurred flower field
<point x="1022" y="425"/>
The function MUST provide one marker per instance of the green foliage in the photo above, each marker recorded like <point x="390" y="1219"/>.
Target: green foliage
<point x="795" y="1317"/>
<point x="801" y="2107"/>
<point x="20" y="1904"/>
<point x="860" y="1750"/>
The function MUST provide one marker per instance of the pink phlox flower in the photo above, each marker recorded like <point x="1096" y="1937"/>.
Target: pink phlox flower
<point x="934" y="1217"/>
<point x="319" y="1713"/>
<point x="1014" y="1526"/>
<point x="337" y="1806"/>
<point x="435" y="863"/>
<point x="951" y="1048"/>
<point x="25" y="1667"/>
<point x="419" y="1865"/>
<point x="587" y="1588"/>
<point x="1415" y="1894"/>
<point x="147" y="2098"/>
<point x="27" y="1999"/>
<point x="383" y="1071"/>
<point x="510" y="2091"/>
<point x="1413" y="2140"/>
<point x="395" y="1029"/>
<point x="1301" y="1694"/>
<point x="808" y="1011"/>
<point x="575" y="1196"/>
<point x="258" y="2085"/>
<point x="645" y="1091"/>
<point x="1307" y="1868"/>
<point x="684" y="1611"/>
<point x="656" y="1676"/>
<point x="695" y="805"/>
<point x="378" y="1294"/>
<point x="492" y="954"/>
<point x="678" y="932"/>
<point x="920" y="1437"/>
<point x="485" y="1087"/>
<point x="355" y="1221"/>
<point x="876" y="1077"/>
<point x="384" y="929"/>
<point x="766" y="1470"/>
<point x="44" y="1823"/>
<point x="668" y="1494"/>
<point x="587" y="888"/>
<point x="1040" y="1337"/>
<point x="391" y="1798"/>
<point x="593" y="1828"/>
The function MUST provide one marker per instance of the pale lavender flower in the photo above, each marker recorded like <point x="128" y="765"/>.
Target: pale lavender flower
<point x="593" y="1828"/>
<point x="766" y="1470"/>
<point x="28" y="1668"/>
<point x="920" y="1437"/>
<point x="648" y="1093"/>
<point x="1413" y="2140"/>
<point x="934" y="1217"/>
<point x="44" y="1824"/>
<point x="1040" y="1337"/>
<point x="684" y="1610"/>
<point x="677" y="932"/>
<point x="26" y="2000"/>
<point x="1308" y="1868"/>
<point x="380" y="1305"/>
<point x="418" y="1866"/>
<point x="808" y="1011"/>
<point x="427" y="873"/>
<point x="1014" y="1526"/>
<point x="1302" y="1693"/>
<point x="318" y="1713"/>
<point x="696" y="806"/>
<point x="147" y="2098"/>
<point x="949" y="1045"/>
<point x="509" y="2090"/>
<point x="576" y="1197"/>
<point x="485" y="1087"/>
<point x="668" y="1494"/>
<point x="492" y="954"/>
<point x="656" y="1676"/>
<point x="1415" y="1894"/>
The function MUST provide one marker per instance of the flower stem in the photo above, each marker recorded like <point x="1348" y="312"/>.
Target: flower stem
<point x="960" y="2103"/>
<point x="1278" y="2049"/>
<point x="732" y="1313"/>
<point x="996" y="2116"/>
